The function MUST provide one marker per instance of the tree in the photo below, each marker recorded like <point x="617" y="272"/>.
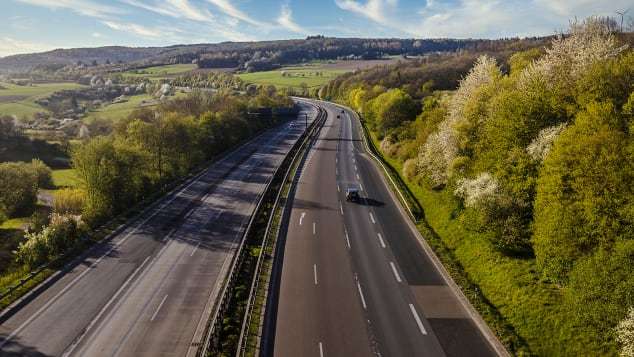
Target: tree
<point x="391" y="109"/>
<point x="583" y="191"/>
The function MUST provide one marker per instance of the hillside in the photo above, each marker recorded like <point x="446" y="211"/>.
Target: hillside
<point x="259" y="55"/>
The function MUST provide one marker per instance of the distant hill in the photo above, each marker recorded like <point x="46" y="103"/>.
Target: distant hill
<point x="254" y="55"/>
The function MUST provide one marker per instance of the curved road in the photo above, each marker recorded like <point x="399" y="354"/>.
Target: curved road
<point x="150" y="289"/>
<point x="356" y="280"/>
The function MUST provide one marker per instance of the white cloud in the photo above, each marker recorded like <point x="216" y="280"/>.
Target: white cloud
<point x="10" y="46"/>
<point x="229" y="9"/>
<point x="375" y="10"/>
<point x="286" y="21"/>
<point x="136" y="29"/>
<point x="174" y="8"/>
<point x="83" y="7"/>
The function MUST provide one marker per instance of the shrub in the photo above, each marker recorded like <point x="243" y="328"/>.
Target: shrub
<point x="18" y="188"/>
<point x="540" y="146"/>
<point x="410" y="169"/>
<point x="43" y="173"/>
<point x="480" y="191"/>
<point x="69" y="201"/>
<point x="61" y="235"/>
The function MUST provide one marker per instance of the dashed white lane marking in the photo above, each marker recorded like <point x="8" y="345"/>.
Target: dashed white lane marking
<point x="315" y="272"/>
<point x="358" y="177"/>
<point x="381" y="240"/>
<point x="158" y="308"/>
<point x="360" y="186"/>
<point x="355" y="168"/>
<point x="314" y="228"/>
<point x="365" y="307"/>
<point x="347" y="239"/>
<point x="321" y="350"/>
<point x="338" y="188"/>
<point x="301" y="218"/>
<point x="418" y="321"/>
<point x="341" y="208"/>
<point x="372" y="218"/>
<point x="194" y="250"/>
<point x="398" y="277"/>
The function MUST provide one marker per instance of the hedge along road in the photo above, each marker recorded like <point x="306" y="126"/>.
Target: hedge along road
<point x="356" y="280"/>
<point x="151" y="288"/>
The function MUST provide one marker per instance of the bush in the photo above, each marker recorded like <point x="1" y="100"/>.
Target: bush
<point x="43" y="173"/>
<point x="69" y="201"/>
<point x="18" y="188"/>
<point x="60" y="236"/>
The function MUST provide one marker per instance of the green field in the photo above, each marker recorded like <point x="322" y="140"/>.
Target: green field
<point x="119" y="110"/>
<point x="65" y="178"/>
<point x="294" y="76"/>
<point x="20" y="100"/>
<point x="160" y="72"/>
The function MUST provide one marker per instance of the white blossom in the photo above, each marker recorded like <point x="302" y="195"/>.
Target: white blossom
<point x="441" y="148"/>
<point x="625" y="334"/>
<point x="483" y="189"/>
<point x="570" y="55"/>
<point x="539" y="148"/>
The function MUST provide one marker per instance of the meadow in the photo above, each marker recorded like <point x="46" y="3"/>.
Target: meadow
<point x="161" y="72"/>
<point x="20" y="100"/>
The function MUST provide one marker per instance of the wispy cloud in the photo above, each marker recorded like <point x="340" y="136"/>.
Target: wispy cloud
<point x="10" y="46"/>
<point x="174" y="8"/>
<point x="228" y="8"/>
<point x="375" y="10"/>
<point x="83" y="7"/>
<point x="136" y="29"/>
<point x="286" y="21"/>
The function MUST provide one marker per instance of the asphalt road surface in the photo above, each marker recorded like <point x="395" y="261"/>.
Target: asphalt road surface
<point x="355" y="279"/>
<point x="150" y="290"/>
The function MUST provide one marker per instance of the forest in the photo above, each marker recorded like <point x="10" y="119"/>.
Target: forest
<point x="524" y="163"/>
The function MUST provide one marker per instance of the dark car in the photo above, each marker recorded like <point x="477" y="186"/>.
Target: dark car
<point x="352" y="194"/>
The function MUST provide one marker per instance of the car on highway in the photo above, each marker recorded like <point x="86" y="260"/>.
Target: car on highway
<point x="352" y="194"/>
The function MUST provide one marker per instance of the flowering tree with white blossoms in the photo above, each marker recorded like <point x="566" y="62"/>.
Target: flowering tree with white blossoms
<point x="625" y="334"/>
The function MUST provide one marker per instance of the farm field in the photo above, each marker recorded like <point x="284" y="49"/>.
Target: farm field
<point x="120" y="110"/>
<point x="314" y="74"/>
<point x="161" y="72"/>
<point x="20" y="100"/>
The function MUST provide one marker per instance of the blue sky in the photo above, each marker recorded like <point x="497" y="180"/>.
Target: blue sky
<point x="39" y="25"/>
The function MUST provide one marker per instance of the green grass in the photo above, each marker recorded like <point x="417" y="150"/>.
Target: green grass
<point x="65" y="178"/>
<point x="14" y="223"/>
<point x="118" y="111"/>
<point x="26" y="105"/>
<point x="296" y="76"/>
<point x="510" y="287"/>
<point x="160" y="72"/>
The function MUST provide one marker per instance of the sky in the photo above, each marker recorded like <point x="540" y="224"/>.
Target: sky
<point x="39" y="25"/>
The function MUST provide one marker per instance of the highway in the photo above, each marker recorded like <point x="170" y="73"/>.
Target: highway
<point x="150" y="289"/>
<point x="355" y="278"/>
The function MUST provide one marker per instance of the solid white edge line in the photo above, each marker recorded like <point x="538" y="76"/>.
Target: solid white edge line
<point x="418" y="321"/>
<point x="158" y="308"/>
<point x="372" y="218"/>
<point x="321" y="350"/>
<point x="315" y="272"/>
<point x="381" y="240"/>
<point x="365" y="307"/>
<point x="398" y="277"/>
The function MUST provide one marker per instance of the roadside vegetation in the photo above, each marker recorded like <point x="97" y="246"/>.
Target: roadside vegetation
<point x="140" y="156"/>
<point x="524" y="172"/>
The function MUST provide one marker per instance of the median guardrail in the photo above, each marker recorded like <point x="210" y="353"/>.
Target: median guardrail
<point x="213" y="329"/>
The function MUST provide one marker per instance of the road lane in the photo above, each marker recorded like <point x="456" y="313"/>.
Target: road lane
<point x="400" y="303"/>
<point x="145" y="291"/>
